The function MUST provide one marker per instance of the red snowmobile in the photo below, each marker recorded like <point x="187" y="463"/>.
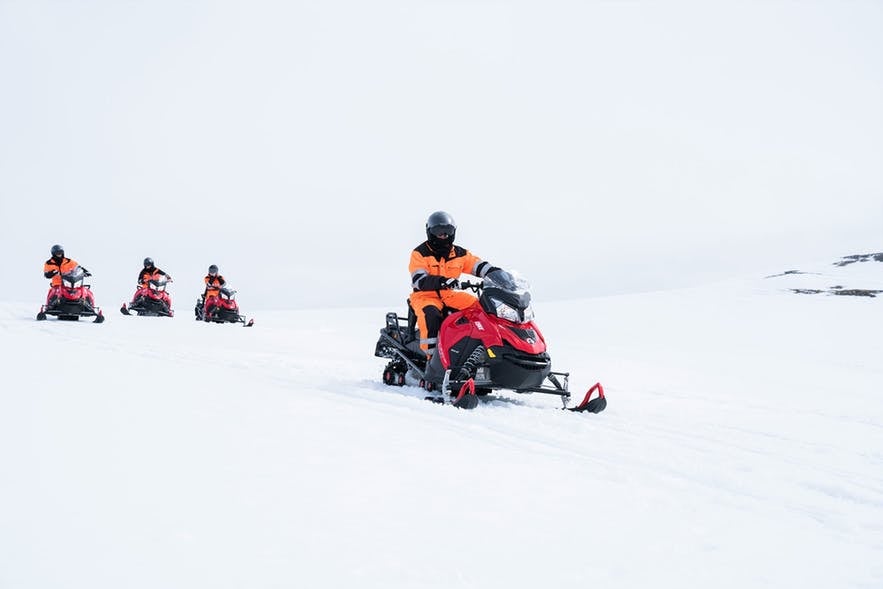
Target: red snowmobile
<point x="151" y="300"/>
<point x="221" y="309"/>
<point x="72" y="300"/>
<point x="493" y="344"/>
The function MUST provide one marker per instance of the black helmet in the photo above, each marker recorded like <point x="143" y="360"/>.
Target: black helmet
<point x="57" y="250"/>
<point x="212" y="269"/>
<point x="440" y="230"/>
<point x="148" y="262"/>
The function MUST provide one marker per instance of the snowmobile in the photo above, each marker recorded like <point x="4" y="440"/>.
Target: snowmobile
<point x="151" y="300"/>
<point x="72" y="300"/>
<point x="493" y="344"/>
<point x="226" y="309"/>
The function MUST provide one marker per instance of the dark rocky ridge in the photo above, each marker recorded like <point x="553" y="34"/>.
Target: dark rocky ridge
<point x="847" y="260"/>
<point x="839" y="289"/>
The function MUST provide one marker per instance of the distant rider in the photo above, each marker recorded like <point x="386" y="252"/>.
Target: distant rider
<point x="436" y="265"/>
<point x="213" y="284"/>
<point x="54" y="268"/>
<point x="148" y="273"/>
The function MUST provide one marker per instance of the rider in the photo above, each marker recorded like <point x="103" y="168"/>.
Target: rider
<point x="436" y="265"/>
<point x="150" y="271"/>
<point x="213" y="284"/>
<point x="54" y="268"/>
<point x="145" y="275"/>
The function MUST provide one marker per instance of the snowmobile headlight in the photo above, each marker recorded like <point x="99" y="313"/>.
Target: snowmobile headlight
<point x="506" y="312"/>
<point x="528" y="314"/>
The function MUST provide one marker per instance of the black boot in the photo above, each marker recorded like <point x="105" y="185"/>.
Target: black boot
<point x="435" y="373"/>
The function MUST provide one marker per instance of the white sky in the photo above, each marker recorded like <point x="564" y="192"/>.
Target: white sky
<point x="594" y="146"/>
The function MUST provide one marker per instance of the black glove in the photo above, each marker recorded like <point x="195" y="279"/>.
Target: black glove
<point x="86" y="272"/>
<point x="438" y="283"/>
<point x="50" y="274"/>
<point x="432" y="282"/>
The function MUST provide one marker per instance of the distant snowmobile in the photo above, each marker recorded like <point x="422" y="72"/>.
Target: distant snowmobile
<point x="151" y="300"/>
<point x="225" y="309"/>
<point x="72" y="300"/>
<point x="493" y="344"/>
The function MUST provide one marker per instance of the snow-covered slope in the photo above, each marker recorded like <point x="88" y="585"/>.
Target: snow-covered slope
<point x="742" y="447"/>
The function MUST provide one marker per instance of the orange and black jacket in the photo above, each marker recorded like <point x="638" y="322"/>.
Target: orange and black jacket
<point x="430" y="269"/>
<point x="213" y="285"/>
<point x="147" y="273"/>
<point x="55" y="267"/>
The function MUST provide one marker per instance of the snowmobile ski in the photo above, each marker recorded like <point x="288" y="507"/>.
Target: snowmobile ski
<point x="596" y="405"/>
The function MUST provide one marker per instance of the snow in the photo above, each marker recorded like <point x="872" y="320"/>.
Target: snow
<point x="742" y="447"/>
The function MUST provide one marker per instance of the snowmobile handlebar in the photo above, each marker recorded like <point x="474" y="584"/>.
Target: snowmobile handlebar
<point x="473" y="286"/>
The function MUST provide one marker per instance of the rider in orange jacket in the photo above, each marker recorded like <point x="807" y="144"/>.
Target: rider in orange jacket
<point x="147" y="273"/>
<point x="58" y="265"/>
<point x="435" y="267"/>
<point x="54" y="268"/>
<point x="213" y="284"/>
<point x="150" y="271"/>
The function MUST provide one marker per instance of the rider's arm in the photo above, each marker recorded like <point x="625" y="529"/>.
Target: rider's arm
<point x="421" y="279"/>
<point x="477" y="266"/>
<point x="424" y="281"/>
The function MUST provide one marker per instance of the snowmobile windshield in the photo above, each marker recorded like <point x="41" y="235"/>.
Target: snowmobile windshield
<point x="74" y="278"/>
<point x="227" y="293"/>
<point x="506" y="281"/>
<point x="158" y="284"/>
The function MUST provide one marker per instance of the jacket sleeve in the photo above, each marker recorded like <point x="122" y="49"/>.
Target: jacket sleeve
<point x="420" y="277"/>
<point x="49" y="270"/>
<point x="476" y="266"/>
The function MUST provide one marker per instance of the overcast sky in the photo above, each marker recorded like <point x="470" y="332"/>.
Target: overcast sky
<point x="593" y="146"/>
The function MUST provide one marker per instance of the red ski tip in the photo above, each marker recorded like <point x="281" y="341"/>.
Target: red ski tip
<point x="466" y="398"/>
<point x="596" y="405"/>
